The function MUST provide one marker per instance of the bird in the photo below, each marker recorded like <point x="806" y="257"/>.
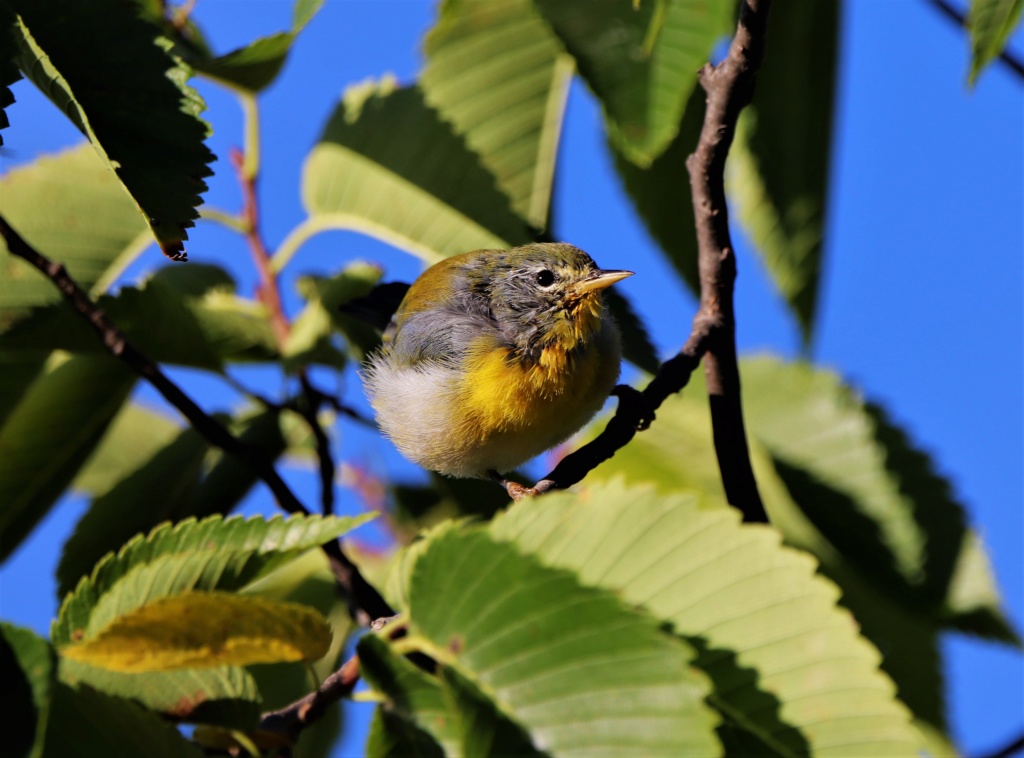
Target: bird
<point x="494" y="356"/>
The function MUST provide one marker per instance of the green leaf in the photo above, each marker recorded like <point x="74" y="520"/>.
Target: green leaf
<point x="227" y="480"/>
<point x="164" y="324"/>
<point x="86" y="722"/>
<point x="388" y="166"/>
<point x="312" y="329"/>
<point x="991" y="23"/>
<point x="107" y="69"/>
<point x="636" y="342"/>
<point x="571" y="665"/>
<point x="973" y="604"/>
<point x="225" y="696"/>
<point x="8" y="68"/>
<point x="96" y="234"/>
<point x="891" y="515"/>
<point x="255" y="66"/>
<point x="779" y="165"/>
<point x="392" y="736"/>
<point x="158" y="490"/>
<point x="27" y="662"/>
<point x="783" y="658"/>
<point x="17" y="372"/>
<point x="661" y="193"/>
<point x="498" y="74"/>
<point x="485" y="730"/>
<point x="49" y="435"/>
<point x="212" y="554"/>
<point x="135" y="435"/>
<point x="182" y="478"/>
<point x="415" y="703"/>
<point x="205" y="630"/>
<point x="642" y="93"/>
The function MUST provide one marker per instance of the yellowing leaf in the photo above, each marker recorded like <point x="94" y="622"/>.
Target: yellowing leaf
<point x="205" y="629"/>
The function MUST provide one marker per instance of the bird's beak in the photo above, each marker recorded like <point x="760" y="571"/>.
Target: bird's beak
<point x="601" y="279"/>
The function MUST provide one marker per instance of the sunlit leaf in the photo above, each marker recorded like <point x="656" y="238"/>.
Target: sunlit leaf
<point x="97" y="232"/>
<point x="105" y="68"/>
<point x="50" y="433"/>
<point x="206" y="629"/>
<point x="784" y="660"/>
<point x="778" y="168"/>
<point x="571" y="665"/>
<point x="498" y="74"/>
<point x="388" y="166"/>
<point x="642" y="92"/>
<point x="212" y="554"/>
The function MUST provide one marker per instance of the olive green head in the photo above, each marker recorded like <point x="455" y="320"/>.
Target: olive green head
<point x="540" y="294"/>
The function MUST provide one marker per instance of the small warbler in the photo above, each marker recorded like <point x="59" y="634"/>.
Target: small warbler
<point x="495" y="356"/>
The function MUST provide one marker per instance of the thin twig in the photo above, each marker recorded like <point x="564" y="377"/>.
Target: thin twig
<point x="267" y="292"/>
<point x="960" y="18"/>
<point x="309" y="410"/>
<point x="365" y="602"/>
<point x="295" y="717"/>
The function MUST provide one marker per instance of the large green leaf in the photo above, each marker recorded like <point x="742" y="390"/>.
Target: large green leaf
<point x="496" y="71"/>
<point x="26" y="660"/>
<point x="788" y="666"/>
<point x="572" y="665"/>
<point x="225" y="696"/>
<point x="50" y="433"/>
<point x="991" y="22"/>
<point x="107" y="69"/>
<point x="636" y="342"/>
<point x="166" y="325"/>
<point x="212" y="554"/>
<point x="811" y="410"/>
<point x="900" y="521"/>
<point x="388" y="166"/>
<point x="135" y="435"/>
<point x="17" y="372"/>
<point x="255" y="66"/>
<point x="95" y="235"/>
<point x="661" y="193"/>
<point x="414" y="710"/>
<point x="158" y="490"/>
<point x="85" y="722"/>
<point x="642" y="87"/>
<point x="779" y="166"/>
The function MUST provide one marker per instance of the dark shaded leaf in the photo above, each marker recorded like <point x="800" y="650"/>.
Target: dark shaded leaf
<point x="779" y="164"/>
<point x="105" y="68"/>
<point x="636" y="342"/>
<point x="661" y="193"/>
<point x="27" y="670"/>
<point x="50" y="433"/>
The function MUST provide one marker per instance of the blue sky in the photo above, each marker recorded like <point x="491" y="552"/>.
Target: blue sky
<point x="921" y="299"/>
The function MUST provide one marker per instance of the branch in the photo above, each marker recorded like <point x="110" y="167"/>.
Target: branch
<point x="729" y="87"/>
<point x="295" y="717"/>
<point x="309" y="410"/>
<point x="959" y="18"/>
<point x="365" y="602"/>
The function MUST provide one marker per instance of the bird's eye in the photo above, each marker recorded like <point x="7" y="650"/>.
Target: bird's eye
<point x="545" y="278"/>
